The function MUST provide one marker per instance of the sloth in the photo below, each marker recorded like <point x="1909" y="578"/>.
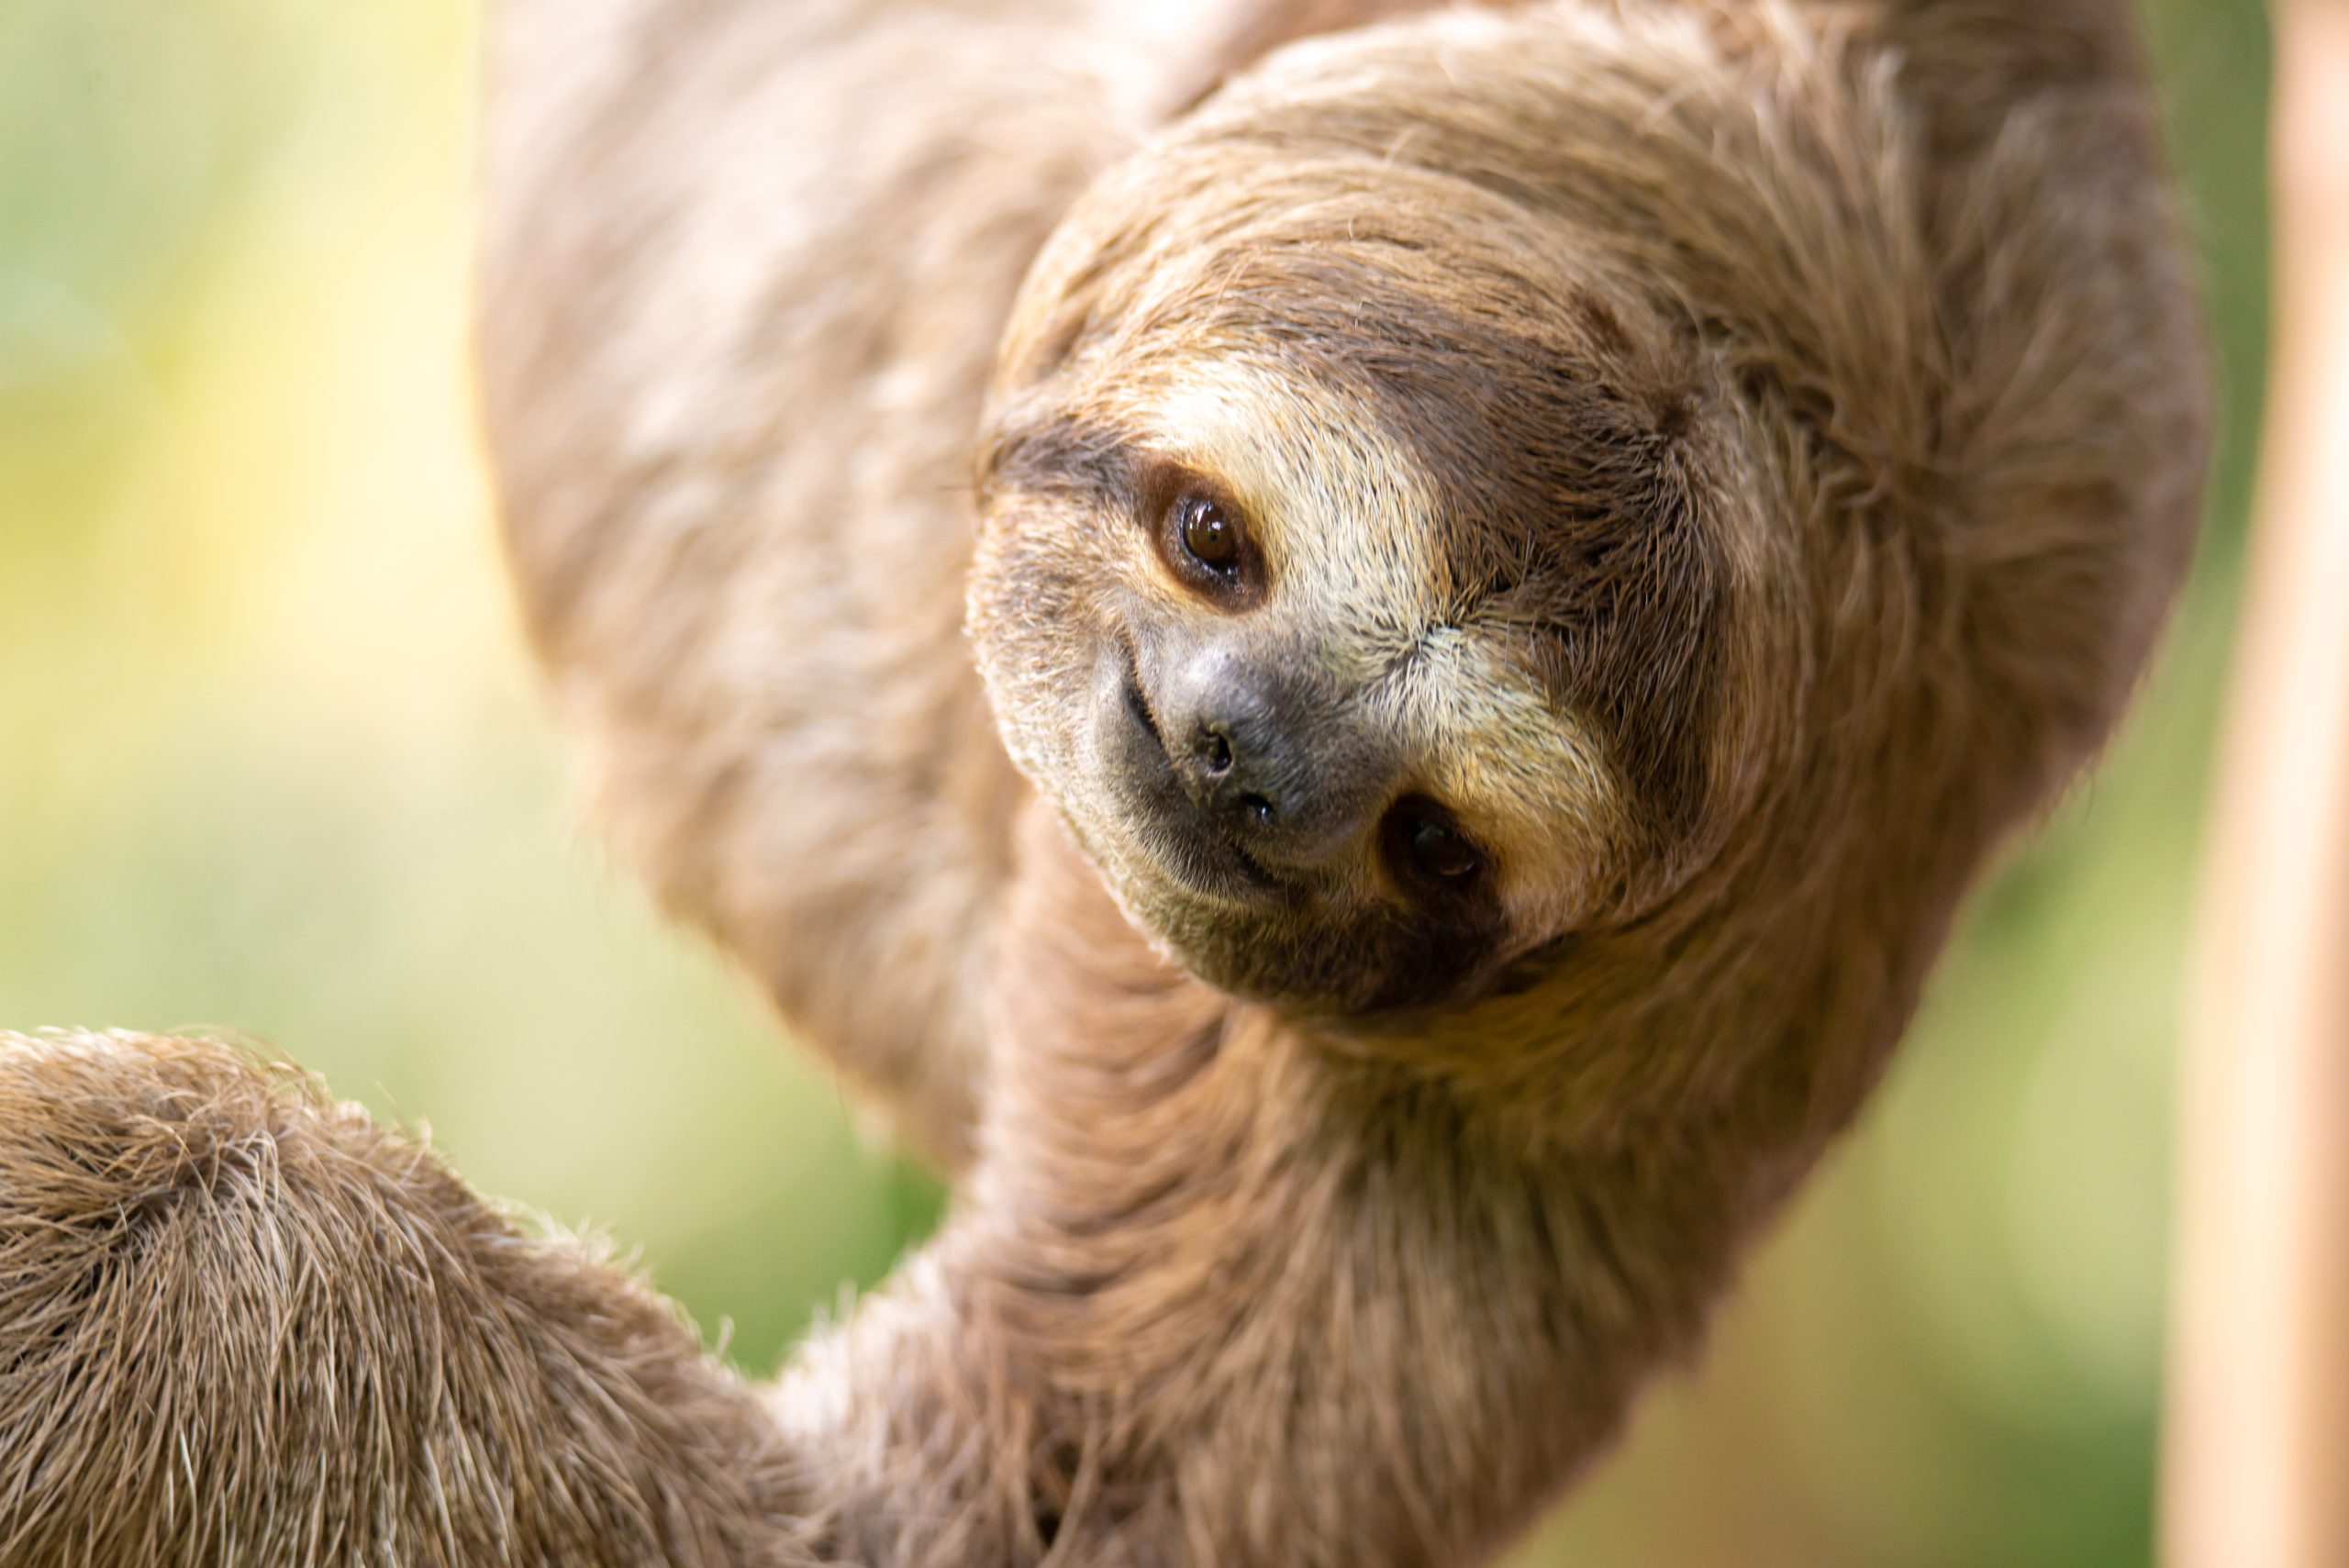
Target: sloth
<point x="1516" y="564"/>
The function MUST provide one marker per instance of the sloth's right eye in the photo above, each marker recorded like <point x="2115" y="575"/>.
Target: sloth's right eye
<point x="1210" y="534"/>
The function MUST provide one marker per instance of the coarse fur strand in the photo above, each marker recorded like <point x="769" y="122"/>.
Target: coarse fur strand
<point x="1886" y="305"/>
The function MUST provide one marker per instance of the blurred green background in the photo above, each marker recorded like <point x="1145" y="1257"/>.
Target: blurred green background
<point x="270" y="758"/>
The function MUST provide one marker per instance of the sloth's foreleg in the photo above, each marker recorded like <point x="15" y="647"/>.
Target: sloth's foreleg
<point x="242" y="1323"/>
<point x="744" y="268"/>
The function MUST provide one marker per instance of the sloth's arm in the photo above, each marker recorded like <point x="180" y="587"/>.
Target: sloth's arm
<point x="744" y="266"/>
<point x="239" y="1323"/>
<point x="744" y="269"/>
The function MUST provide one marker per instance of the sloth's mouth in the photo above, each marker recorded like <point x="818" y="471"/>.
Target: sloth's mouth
<point x="1137" y="705"/>
<point x="1178" y="835"/>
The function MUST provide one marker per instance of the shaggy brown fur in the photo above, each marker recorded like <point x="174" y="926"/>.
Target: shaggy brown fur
<point x="1734" y="457"/>
<point x="242" y="1323"/>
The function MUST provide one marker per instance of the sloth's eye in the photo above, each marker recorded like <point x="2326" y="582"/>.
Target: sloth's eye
<point x="1428" y="847"/>
<point x="1211" y="535"/>
<point x="1439" y="852"/>
<point x="1203" y="540"/>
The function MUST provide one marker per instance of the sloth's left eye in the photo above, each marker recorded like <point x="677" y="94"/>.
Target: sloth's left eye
<point x="1210" y="534"/>
<point x="1439" y="852"/>
<point x="1428" y="847"/>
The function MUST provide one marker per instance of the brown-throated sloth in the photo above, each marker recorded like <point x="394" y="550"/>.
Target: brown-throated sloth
<point x="1526" y="559"/>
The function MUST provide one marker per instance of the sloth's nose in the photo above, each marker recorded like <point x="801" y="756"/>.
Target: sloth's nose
<point x="1264" y="760"/>
<point x="1239" y="767"/>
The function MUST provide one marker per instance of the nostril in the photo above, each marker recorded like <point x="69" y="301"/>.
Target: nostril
<point x="1256" y="811"/>
<point x="1215" y="752"/>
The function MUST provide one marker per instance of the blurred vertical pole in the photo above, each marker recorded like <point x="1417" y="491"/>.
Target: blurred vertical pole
<point x="2257" y="1460"/>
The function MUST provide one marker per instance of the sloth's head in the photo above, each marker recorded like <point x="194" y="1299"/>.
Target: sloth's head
<point x="1548" y="532"/>
<point x="1353" y="579"/>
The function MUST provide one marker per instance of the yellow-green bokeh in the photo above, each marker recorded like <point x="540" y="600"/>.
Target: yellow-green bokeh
<point x="270" y="759"/>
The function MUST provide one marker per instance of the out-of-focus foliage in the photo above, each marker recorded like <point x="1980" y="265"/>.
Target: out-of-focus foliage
<point x="272" y="760"/>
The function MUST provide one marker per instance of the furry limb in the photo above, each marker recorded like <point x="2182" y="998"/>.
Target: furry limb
<point x="240" y="1323"/>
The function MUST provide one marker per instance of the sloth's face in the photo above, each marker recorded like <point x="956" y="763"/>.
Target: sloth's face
<point x="1366" y="650"/>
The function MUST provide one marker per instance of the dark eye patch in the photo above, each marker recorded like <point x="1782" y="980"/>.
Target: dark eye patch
<point x="1566" y="515"/>
<point x="1050" y="451"/>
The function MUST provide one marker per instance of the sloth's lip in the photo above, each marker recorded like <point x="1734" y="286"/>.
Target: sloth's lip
<point x="1178" y="834"/>
<point x="1213" y="863"/>
<point x="1136" y="705"/>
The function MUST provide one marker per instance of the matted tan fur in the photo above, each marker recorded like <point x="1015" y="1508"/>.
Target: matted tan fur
<point x="1648" y="495"/>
